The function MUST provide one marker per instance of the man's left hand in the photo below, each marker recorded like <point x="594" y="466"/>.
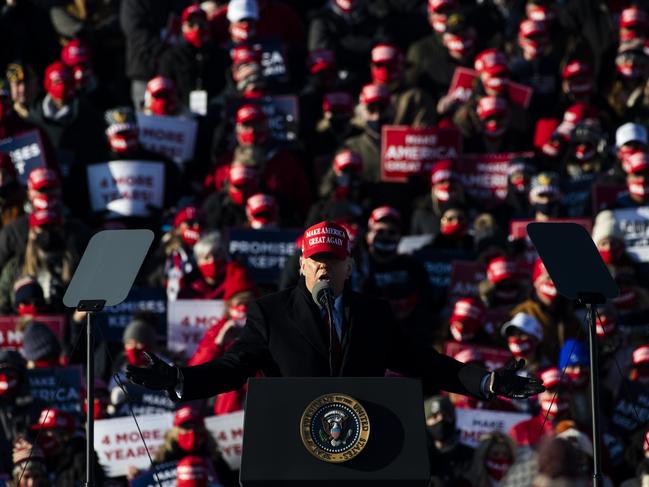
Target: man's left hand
<point x="506" y="382"/>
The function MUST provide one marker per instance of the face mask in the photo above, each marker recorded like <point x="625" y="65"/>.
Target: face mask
<point x="547" y="290"/>
<point x="41" y="201"/>
<point x="212" y="269"/>
<point x="241" y="32"/>
<point x="628" y="70"/>
<point x="584" y="152"/>
<point x="49" y="241"/>
<point x="123" y="142"/>
<point x="580" y="88"/>
<point x="506" y="296"/>
<point x="553" y="408"/>
<point x="460" y="334"/>
<point x="454" y="230"/>
<point x="520" y="346"/>
<point x="374" y="125"/>
<point x="384" y="73"/>
<point x="135" y="356"/>
<point x="25" y="309"/>
<point x="191" y="440"/>
<point x="162" y="106"/>
<point x="519" y="184"/>
<point x="339" y="125"/>
<point x="578" y="378"/>
<point x="197" y="37"/>
<point x="50" y="445"/>
<point x="639" y="190"/>
<point x="493" y="129"/>
<point x="62" y="91"/>
<point x="610" y="256"/>
<point x="238" y="313"/>
<point x="8" y="383"/>
<point x="443" y="430"/>
<point x="531" y="49"/>
<point x="639" y="375"/>
<point x="442" y="192"/>
<point x="551" y="208"/>
<point x="458" y="46"/>
<point x="497" y="467"/>
<point x="384" y="246"/>
<point x="190" y="235"/>
<point x="249" y="136"/>
<point x="97" y="409"/>
<point x="626" y="300"/>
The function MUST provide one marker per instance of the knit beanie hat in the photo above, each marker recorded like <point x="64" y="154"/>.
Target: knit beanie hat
<point x="40" y="343"/>
<point x="606" y="226"/>
<point x="140" y="331"/>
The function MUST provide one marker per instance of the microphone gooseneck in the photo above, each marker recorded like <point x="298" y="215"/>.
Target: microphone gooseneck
<point x="323" y="296"/>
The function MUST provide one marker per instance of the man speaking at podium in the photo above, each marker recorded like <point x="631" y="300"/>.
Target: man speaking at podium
<point x="319" y="329"/>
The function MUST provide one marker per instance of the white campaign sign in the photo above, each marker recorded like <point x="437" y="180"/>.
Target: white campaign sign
<point x="188" y="320"/>
<point x="227" y="430"/>
<point x="634" y="223"/>
<point x="119" y="446"/>
<point x="126" y="188"/>
<point x="473" y="423"/>
<point x="173" y="137"/>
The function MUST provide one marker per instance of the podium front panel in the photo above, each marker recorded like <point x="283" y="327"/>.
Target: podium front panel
<point x="274" y="453"/>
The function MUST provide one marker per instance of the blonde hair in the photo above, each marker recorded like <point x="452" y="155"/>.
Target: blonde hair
<point x="477" y="473"/>
<point x="33" y="262"/>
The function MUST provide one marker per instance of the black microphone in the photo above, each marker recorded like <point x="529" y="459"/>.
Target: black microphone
<point x="323" y="295"/>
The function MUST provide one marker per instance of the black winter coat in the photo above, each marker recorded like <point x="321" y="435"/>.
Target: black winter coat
<point x="284" y="337"/>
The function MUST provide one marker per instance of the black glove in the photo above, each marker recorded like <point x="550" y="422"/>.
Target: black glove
<point x="157" y="375"/>
<point x="505" y="382"/>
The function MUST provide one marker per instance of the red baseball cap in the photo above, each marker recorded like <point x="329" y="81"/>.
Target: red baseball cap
<point x="55" y="418"/>
<point x="193" y="9"/>
<point x="245" y="54"/>
<point x="160" y="84"/>
<point x="338" y="101"/>
<point x="47" y="216"/>
<point x="530" y="28"/>
<point x="491" y="61"/>
<point x="43" y="178"/>
<point x="186" y="414"/>
<point x="500" y="269"/>
<point x="552" y="376"/>
<point x="189" y="213"/>
<point x="633" y="17"/>
<point x="321" y="59"/>
<point x="383" y="213"/>
<point x="250" y="112"/>
<point x="435" y="5"/>
<point x="385" y="53"/>
<point x="468" y="355"/>
<point x="491" y="105"/>
<point x="441" y="171"/>
<point x="259" y="203"/>
<point x="640" y="355"/>
<point x="241" y="175"/>
<point x="76" y="52"/>
<point x="605" y="326"/>
<point x="469" y="312"/>
<point x="347" y="159"/>
<point x="326" y="237"/>
<point x="576" y="68"/>
<point x="374" y="93"/>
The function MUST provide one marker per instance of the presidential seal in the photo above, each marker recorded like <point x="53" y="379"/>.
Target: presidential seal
<point x="335" y="428"/>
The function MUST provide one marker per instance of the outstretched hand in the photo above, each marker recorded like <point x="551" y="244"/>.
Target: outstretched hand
<point x="506" y="382"/>
<point x="157" y="375"/>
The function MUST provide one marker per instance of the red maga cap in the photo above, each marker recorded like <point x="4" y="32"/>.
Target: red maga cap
<point x="43" y="178"/>
<point x="499" y="269"/>
<point x="468" y="311"/>
<point x="245" y="54"/>
<point x="633" y="17"/>
<point x="374" y="93"/>
<point x="193" y="10"/>
<point x="576" y="68"/>
<point x="186" y="414"/>
<point x="491" y="61"/>
<point x="441" y="171"/>
<point x="491" y="105"/>
<point x="159" y="84"/>
<point x="55" y="418"/>
<point x="347" y="159"/>
<point x="385" y="53"/>
<point x="641" y="355"/>
<point x="321" y="59"/>
<point x="326" y="237"/>
<point x="76" y="52"/>
<point x="551" y="377"/>
<point x="47" y="216"/>
<point x="189" y="213"/>
<point x="435" y="5"/>
<point x="529" y="28"/>
<point x="383" y="213"/>
<point x="338" y="101"/>
<point x="250" y="112"/>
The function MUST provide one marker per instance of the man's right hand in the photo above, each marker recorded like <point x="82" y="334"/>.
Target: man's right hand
<point x="157" y="375"/>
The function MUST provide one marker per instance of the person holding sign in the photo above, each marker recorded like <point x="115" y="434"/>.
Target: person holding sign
<point x="300" y="339"/>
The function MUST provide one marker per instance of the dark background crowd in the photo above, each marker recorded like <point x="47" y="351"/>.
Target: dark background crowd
<point x="81" y="73"/>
